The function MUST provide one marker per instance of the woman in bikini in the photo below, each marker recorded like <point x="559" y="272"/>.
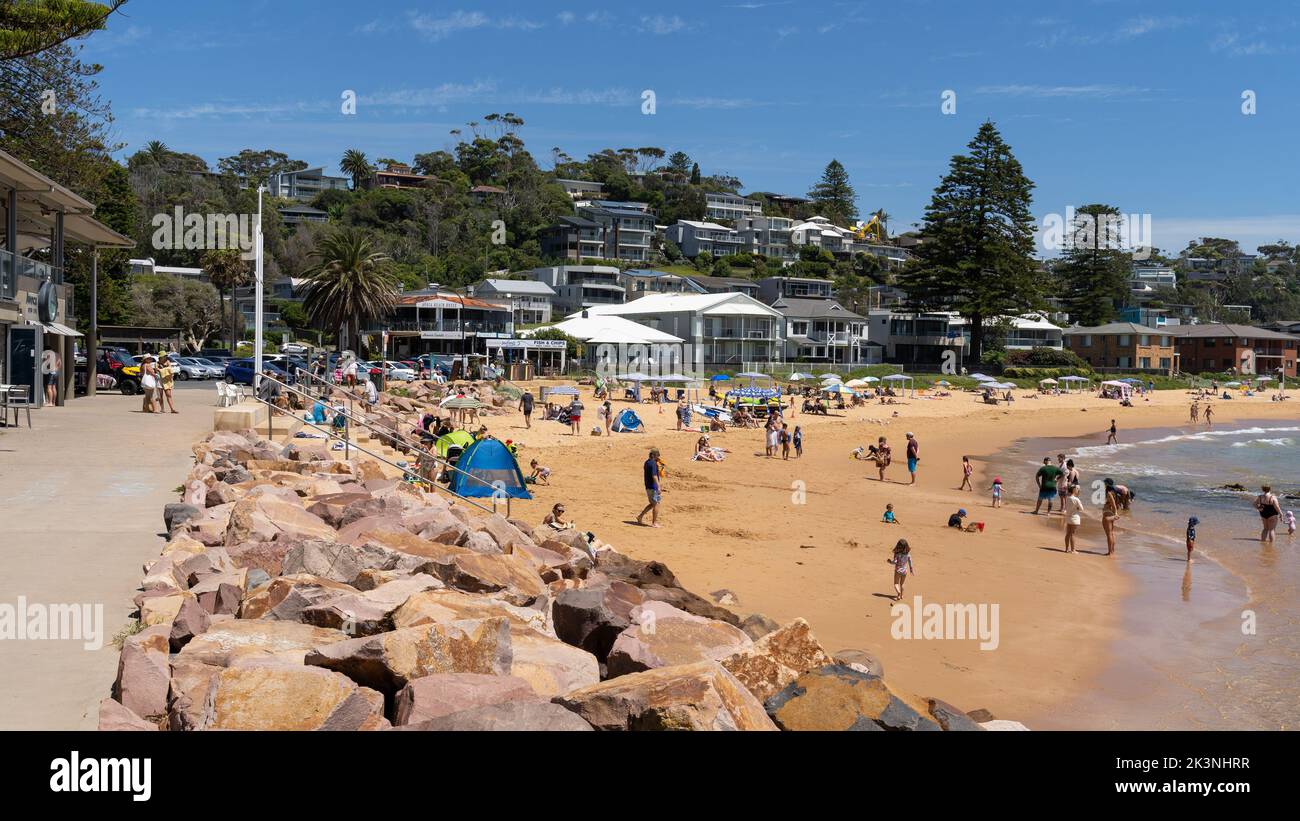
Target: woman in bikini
<point x="1109" y="513"/>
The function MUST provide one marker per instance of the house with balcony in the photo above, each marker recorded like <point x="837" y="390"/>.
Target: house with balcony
<point x="147" y="266"/>
<point x="295" y="215"/>
<point x="1123" y="346"/>
<point x="917" y="339"/>
<point x="573" y="239"/>
<point x="723" y="330"/>
<point x="39" y="218"/>
<point x="1239" y="349"/>
<point x="530" y="301"/>
<point x="730" y="207"/>
<point x="304" y="185"/>
<point x="725" y="285"/>
<point x="443" y="323"/>
<point x="822" y="330"/>
<point x="583" y="189"/>
<point x="769" y="236"/>
<point x="772" y="288"/>
<point x="581" y="286"/>
<point x="625" y="228"/>
<point x="396" y="175"/>
<point x="695" y="238"/>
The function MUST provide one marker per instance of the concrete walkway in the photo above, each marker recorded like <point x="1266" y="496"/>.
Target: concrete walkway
<point x="81" y="499"/>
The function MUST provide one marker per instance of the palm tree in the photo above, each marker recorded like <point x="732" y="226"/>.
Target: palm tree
<point x="226" y="269"/>
<point x="157" y="151"/>
<point x="355" y="165"/>
<point x="349" y="282"/>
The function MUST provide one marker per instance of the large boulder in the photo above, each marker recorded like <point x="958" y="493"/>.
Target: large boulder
<point x="331" y="507"/>
<point x="342" y="562"/>
<point x="777" y="659"/>
<point x="176" y="514"/>
<point x="862" y="661"/>
<point x="114" y="717"/>
<point x="690" y="602"/>
<point x="700" y="696"/>
<point x="143" y="672"/>
<point x="388" y="661"/>
<point x="445" y="606"/>
<point x="549" y="665"/>
<point x="369" y="612"/>
<point x="288" y="698"/>
<point x="836" y="697"/>
<point x="518" y="716"/>
<point x="756" y="625"/>
<point x="511" y="576"/>
<point x="228" y="641"/>
<point x="505" y="535"/>
<point x="443" y="693"/>
<point x="267" y="518"/>
<point x="220" y="594"/>
<point x="950" y="718"/>
<point x="190" y="621"/>
<point x="593" y="617"/>
<point x="663" y="636"/>
<point x="286" y="597"/>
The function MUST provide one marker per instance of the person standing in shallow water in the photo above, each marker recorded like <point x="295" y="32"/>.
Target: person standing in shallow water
<point x="1270" y="510"/>
<point x="1109" y="513"/>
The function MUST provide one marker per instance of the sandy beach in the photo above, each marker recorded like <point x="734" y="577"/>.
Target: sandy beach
<point x="804" y="537"/>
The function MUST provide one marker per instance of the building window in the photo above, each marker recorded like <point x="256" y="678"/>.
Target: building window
<point x="1124" y="340"/>
<point x="1165" y="363"/>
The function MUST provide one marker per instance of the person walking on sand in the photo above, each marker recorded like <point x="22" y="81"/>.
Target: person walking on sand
<point x="1191" y="536"/>
<point x="148" y="383"/>
<point x="1111" y="439"/>
<point x="902" y="562"/>
<point x="575" y="416"/>
<point x="1209" y="416"/>
<point x="1196" y="412"/>
<point x="526" y="403"/>
<point x="166" y="383"/>
<point x="650" y="471"/>
<point x="797" y="438"/>
<point x="966" y="470"/>
<point x="996" y="487"/>
<point x="1062" y="481"/>
<point x="1270" y="510"/>
<point x="883" y="456"/>
<point x="1073" y="509"/>
<point x="607" y="413"/>
<point x="913" y="455"/>
<point x="1046" y="479"/>
<point x="1109" y="513"/>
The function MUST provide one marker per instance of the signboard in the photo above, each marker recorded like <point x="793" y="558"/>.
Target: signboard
<point x="441" y="335"/>
<point x="527" y="344"/>
<point x="437" y="303"/>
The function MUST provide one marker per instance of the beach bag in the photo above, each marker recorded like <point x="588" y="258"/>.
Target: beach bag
<point x="149" y="382"/>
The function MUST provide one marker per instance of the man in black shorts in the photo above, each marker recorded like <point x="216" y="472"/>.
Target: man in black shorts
<point x="526" y="405"/>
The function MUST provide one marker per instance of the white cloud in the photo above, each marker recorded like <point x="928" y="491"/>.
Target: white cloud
<point x="663" y="25"/>
<point x="1234" y="44"/>
<point x="439" y="27"/>
<point x="566" y="17"/>
<point x="1100" y="91"/>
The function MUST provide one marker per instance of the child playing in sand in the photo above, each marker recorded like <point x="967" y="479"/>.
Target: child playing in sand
<point x="966" y="470"/>
<point x="888" y="518"/>
<point x="1191" y="536"/>
<point x="540" y="473"/>
<point x="902" y="562"/>
<point x="798" y="443"/>
<point x="997" y="491"/>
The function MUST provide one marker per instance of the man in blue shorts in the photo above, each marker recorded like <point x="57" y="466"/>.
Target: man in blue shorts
<point x="1046" y="478"/>
<point x="651" y="472"/>
<point x="913" y="456"/>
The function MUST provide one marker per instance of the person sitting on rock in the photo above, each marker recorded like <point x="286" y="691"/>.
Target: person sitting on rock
<point x="556" y="520"/>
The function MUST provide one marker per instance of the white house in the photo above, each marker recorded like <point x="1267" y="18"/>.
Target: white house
<point x="723" y="329"/>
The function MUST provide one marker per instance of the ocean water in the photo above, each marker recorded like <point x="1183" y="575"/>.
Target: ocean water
<point x="1213" y="645"/>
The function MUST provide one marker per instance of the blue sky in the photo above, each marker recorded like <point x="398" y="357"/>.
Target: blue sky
<point x="1134" y="104"/>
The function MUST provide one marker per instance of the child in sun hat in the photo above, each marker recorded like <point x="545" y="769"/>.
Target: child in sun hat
<point x="997" y="491"/>
<point x="1191" y="536"/>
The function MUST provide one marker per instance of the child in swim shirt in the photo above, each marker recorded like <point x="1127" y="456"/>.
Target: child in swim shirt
<point x="997" y="491"/>
<point x="1191" y="536"/>
<point x="889" y="515"/>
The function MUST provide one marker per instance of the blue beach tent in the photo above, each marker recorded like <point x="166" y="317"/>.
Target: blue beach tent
<point x="628" y="422"/>
<point x="494" y="470"/>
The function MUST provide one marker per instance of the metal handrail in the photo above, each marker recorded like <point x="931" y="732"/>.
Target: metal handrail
<point x="395" y="435"/>
<point x="405" y="471"/>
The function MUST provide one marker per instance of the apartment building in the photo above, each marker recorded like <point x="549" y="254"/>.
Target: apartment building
<point x="923" y="338"/>
<point x="305" y="184"/>
<point x="582" y="189"/>
<point x="1123" y="345"/>
<point x="730" y="207"/>
<point x="769" y="236"/>
<point x="641" y="282"/>
<point x="1240" y="349"/>
<point x="581" y="286"/>
<point x="695" y="238"/>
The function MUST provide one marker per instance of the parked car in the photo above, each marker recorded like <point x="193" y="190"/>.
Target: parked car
<point x="117" y="362"/>
<point x="241" y="371"/>
<point x="399" y="371"/>
<point x="216" y="369"/>
<point x="188" y="368"/>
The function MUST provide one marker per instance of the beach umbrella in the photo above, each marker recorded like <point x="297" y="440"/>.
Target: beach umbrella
<point x="719" y="377"/>
<point x="982" y="377"/>
<point x="1263" y="379"/>
<point x="1232" y="384"/>
<point x="897" y="377"/>
<point x="856" y="383"/>
<point x="837" y="387"/>
<point x="1047" y="381"/>
<point x="870" y="379"/>
<point x="1074" y="379"/>
<point x="752" y="375"/>
<point x="1132" y="379"/>
<point x="632" y="377"/>
<point x="831" y="377"/>
<point x="943" y="382"/>
<point x="799" y="377"/>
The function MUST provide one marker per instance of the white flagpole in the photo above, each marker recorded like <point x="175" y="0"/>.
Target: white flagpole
<point x="257" y="304"/>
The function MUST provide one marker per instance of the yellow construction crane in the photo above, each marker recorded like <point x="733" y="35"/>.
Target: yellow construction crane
<point x="871" y="230"/>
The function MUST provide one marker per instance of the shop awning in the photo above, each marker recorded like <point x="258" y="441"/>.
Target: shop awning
<point x="59" y="330"/>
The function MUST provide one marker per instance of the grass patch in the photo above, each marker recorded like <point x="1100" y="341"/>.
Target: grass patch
<point x="132" y="627"/>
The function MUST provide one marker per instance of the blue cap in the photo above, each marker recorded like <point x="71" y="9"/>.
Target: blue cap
<point x="961" y="512"/>
<point x="1193" y="521"/>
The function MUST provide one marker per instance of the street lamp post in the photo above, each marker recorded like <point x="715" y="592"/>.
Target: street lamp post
<point x="257" y="297"/>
